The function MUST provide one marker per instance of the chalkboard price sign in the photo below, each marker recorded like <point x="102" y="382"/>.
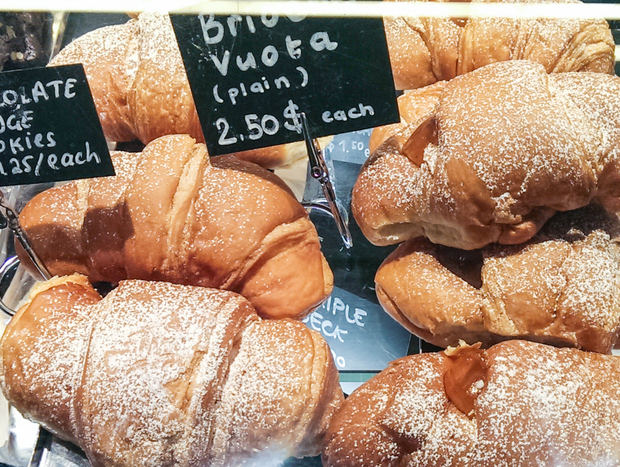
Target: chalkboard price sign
<point x="49" y="127"/>
<point x="361" y="336"/>
<point x="251" y="76"/>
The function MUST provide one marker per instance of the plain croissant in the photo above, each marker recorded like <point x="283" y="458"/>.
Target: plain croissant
<point x="140" y="88"/>
<point x="491" y="155"/>
<point x="429" y="49"/>
<point x="172" y="213"/>
<point x="517" y="404"/>
<point x="159" y="374"/>
<point x="562" y="287"/>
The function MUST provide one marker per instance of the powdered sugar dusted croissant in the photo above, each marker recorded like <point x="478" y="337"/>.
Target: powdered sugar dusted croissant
<point x="516" y="404"/>
<point x="562" y="287"/>
<point x="429" y="49"/>
<point x="492" y="155"/>
<point x="162" y="374"/>
<point x="172" y="213"/>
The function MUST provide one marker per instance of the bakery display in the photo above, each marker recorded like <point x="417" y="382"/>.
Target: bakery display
<point x="429" y="49"/>
<point x="501" y="184"/>
<point x="171" y="213"/>
<point x="517" y="403"/>
<point x="140" y="88"/>
<point x="562" y="287"/>
<point x="162" y="374"/>
<point x="491" y="155"/>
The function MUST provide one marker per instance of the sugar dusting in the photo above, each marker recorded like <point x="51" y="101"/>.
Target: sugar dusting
<point x="138" y="78"/>
<point x="53" y="380"/>
<point x="572" y="404"/>
<point x="511" y="140"/>
<point x="171" y="214"/>
<point x="561" y="285"/>
<point x="259" y="419"/>
<point x="541" y="406"/>
<point x="163" y="374"/>
<point x="140" y="367"/>
<point x="109" y="55"/>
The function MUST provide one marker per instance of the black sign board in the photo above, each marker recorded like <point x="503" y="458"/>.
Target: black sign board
<point x="250" y="77"/>
<point x="361" y="336"/>
<point x="49" y="127"/>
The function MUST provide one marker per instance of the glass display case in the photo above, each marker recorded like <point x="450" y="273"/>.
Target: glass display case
<point x="418" y="46"/>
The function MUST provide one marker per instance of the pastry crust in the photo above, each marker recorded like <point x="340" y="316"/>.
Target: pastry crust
<point x="172" y="213"/>
<point x="162" y="374"/>
<point x="562" y="287"/>
<point x="532" y="404"/>
<point x="490" y="156"/>
<point x="426" y="50"/>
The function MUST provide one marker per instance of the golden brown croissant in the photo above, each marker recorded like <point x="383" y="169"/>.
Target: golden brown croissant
<point x="161" y="374"/>
<point x="172" y="213"/>
<point x="561" y="288"/>
<point x="140" y="89"/>
<point x="429" y="49"/>
<point x="518" y="403"/>
<point x="491" y="155"/>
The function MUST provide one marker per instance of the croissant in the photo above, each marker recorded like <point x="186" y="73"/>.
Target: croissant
<point x="171" y="213"/>
<point x="430" y="49"/>
<point x="140" y="88"/>
<point x="490" y="156"/>
<point x="518" y="403"/>
<point x="161" y="374"/>
<point x="562" y="287"/>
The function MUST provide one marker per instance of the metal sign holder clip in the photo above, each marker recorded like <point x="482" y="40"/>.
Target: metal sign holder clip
<point x="9" y="218"/>
<point x="319" y="171"/>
